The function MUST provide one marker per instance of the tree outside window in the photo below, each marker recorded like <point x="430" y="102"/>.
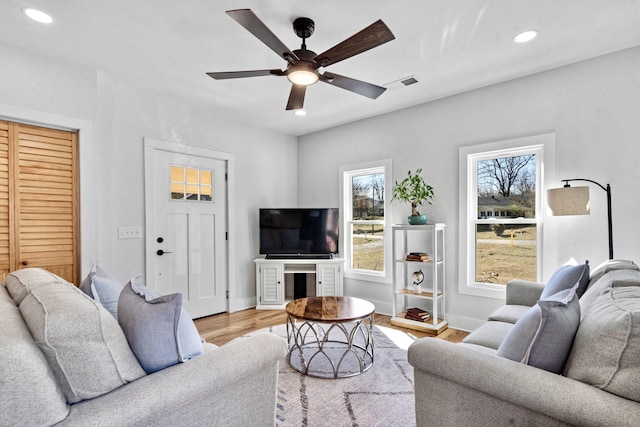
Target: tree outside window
<point x="501" y="213"/>
<point x="363" y="191"/>
<point x="506" y="228"/>
<point x="367" y="199"/>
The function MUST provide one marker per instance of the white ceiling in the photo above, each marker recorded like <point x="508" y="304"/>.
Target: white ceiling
<point x="450" y="46"/>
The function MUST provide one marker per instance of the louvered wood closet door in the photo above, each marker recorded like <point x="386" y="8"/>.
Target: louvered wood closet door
<point x="38" y="200"/>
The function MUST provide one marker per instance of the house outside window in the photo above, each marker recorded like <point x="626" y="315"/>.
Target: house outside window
<point x="364" y="190"/>
<point x="501" y="213"/>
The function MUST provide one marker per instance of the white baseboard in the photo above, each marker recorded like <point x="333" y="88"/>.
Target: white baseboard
<point x="463" y="323"/>
<point x="241" y="304"/>
<point x="382" y="307"/>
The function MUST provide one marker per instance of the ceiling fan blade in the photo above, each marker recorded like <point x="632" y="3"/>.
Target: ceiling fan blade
<point x="372" y="36"/>
<point x="240" y="74"/>
<point x="357" y="86"/>
<point x="296" y="97"/>
<point x="255" y="26"/>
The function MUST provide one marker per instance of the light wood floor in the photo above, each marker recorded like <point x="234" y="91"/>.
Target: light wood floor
<point x="222" y="328"/>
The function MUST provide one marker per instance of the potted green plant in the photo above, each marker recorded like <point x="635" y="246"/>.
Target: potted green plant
<point x="413" y="189"/>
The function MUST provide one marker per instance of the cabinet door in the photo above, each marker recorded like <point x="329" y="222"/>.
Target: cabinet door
<point x="271" y="285"/>
<point x="38" y="200"/>
<point x="6" y="235"/>
<point x="328" y="280"/>
<point x="46" y="208"/>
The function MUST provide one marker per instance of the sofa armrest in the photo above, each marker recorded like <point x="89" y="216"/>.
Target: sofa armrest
<point x="457" y="385"/>
<point x="523" y="292"/>
<point x="233" y="385"/>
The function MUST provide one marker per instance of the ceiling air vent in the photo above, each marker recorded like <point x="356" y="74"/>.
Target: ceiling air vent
<point x="400" y="83"/>
<point x="409" y="81"/>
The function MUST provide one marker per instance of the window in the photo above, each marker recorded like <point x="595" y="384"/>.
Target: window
<point x="364" y="203"/>
<point x="501" y="213"/>
<point x="191" y="184"/>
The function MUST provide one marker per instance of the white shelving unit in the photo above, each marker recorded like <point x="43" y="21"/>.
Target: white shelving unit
<point x="428" y="239"/>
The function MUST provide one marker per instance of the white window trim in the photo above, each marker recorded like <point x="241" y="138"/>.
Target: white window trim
<point x="345" y="209"/>
<point x="546" y="170"/>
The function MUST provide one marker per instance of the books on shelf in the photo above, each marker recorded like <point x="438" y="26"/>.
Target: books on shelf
<point x="417" y="314"/>
<point x="417" y="256"/>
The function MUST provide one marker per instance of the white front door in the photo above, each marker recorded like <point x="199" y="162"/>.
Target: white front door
<point x="185" y="231"/>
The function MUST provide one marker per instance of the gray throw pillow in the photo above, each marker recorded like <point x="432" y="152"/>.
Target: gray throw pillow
<point x="543" y="336"/>
<point x="606" y="350"/>
<point x="158" y="329"/>
<point x="103" y="287"/>
<point x="566" y="277"/>
<point x="583" y="282"/>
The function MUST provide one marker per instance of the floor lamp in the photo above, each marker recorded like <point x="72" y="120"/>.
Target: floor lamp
<point x="570" y="200"/>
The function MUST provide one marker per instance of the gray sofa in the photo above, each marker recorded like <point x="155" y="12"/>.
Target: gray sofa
<point x="65" y="361"/>
<point x="470" y="384"/>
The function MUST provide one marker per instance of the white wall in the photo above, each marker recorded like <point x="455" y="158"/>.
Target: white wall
<point x="593" y="108"/>
<point x="121" y="116"/>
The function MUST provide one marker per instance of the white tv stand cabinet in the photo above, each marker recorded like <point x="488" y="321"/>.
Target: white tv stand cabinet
<point x="278" y="281"/>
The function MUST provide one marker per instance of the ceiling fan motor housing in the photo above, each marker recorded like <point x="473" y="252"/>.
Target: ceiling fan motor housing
<point x="303" y="27"/>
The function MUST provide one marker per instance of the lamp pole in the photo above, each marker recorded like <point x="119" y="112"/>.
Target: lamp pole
<point x="607" y="189"/>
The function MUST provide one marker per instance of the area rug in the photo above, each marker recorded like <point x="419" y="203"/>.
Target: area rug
<point x="381" y="396"/>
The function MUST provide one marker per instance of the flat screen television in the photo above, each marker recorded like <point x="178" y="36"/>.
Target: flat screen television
<point x="299" y="232"/>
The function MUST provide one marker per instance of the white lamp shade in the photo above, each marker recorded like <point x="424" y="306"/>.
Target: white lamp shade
<point x="568" y="201"/>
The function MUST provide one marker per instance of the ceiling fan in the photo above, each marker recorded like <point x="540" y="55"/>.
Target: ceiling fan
<point x="302" y="64"/>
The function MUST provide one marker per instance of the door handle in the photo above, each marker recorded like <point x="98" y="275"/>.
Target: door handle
<point x="161" y="252"/>
<point x="25" y="263"/>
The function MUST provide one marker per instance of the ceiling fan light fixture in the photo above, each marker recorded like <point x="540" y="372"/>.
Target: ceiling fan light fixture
<point x="303" y="74"/>
<point x="300" y="112"/>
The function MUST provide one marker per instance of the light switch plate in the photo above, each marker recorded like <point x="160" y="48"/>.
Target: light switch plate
<point x="129" y="232"/>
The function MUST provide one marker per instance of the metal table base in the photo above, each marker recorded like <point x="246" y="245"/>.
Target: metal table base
<point x="332" y="349"/>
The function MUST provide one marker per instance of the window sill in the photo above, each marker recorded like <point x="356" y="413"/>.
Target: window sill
<point x="486" y="290"/>
<point x="366" y="277"/>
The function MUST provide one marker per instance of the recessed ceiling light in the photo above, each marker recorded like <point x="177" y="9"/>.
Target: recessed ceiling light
<point x="300" y="112"/>
<point x="37" y="15"/>
<point x="525" y="36"/>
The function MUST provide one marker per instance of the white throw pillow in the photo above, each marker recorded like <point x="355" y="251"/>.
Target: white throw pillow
<point x="103" y="287"/>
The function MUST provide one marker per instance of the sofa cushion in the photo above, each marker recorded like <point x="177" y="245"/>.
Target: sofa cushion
<point x="480" y="348"/>
<point x="159" y="330"/>
<point x="611" y="265"/>
<point x="606" y="350"/>
<point x="25" y="374"/>
<point x="544" y="334"/>
<point x="613" y="279"/>
<point x="490" y="334"/>
<point x="509" y="313"/>
<point x="82" y="342"/>
<point x="20" y="282"/>
<point x="566" y="277"/>
<point x="103" y="287"/>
